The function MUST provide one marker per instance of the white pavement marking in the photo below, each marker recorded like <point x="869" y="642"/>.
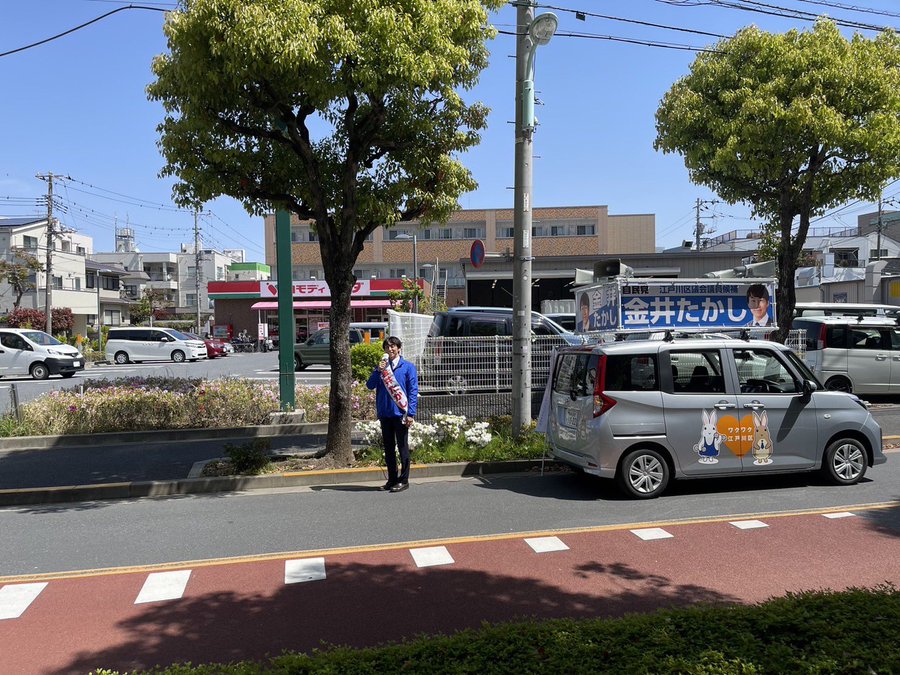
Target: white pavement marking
<point x="546" y="544"/>
<point x="163" y="586"/>
<point x="15" y="598"/>
<point x="840" y="514"/>
<point x="748" y="524"/>
<point x="651" y="533"/>
<point x="433" y="555"/>
<point x="306" y="569"/>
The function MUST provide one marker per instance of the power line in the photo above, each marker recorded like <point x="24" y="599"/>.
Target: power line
<point x="79" y="27"/>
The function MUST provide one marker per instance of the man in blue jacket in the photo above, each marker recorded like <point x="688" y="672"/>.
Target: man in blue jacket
<point x="394" y="417"/>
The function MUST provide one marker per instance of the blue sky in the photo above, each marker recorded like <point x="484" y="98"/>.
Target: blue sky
<point x="77" y="106"/>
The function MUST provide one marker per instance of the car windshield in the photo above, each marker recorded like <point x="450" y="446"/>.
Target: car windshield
<point x="179" y="335"/>
<point x="39" y="337"/>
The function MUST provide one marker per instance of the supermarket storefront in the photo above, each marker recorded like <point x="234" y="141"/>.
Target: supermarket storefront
<point x="245" y="305"/>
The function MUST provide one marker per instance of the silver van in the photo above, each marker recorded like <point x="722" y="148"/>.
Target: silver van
<point x="136" y="344"/>
<point x="646" y="411"/>
<point x="853" y="353"/>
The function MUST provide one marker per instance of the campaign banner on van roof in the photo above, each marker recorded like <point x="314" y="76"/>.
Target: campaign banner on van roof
<point x="682" y="304"/>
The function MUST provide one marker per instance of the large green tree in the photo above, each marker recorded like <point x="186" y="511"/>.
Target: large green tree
<point x="18" y="271"/>
<point x="792" y="124"/>
<point x="347" y="113"/>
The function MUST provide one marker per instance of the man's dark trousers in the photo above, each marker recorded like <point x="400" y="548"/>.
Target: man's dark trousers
<point x="395" y="435"/>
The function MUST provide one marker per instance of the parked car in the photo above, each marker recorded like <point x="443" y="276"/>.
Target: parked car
<point x="214" y="346"/>
<point x="853" y="353"/>
<point x="316" y="349"/>
<point x="644" y="412"/>
<point x="136" y="344"/>
<point x="469" y="349"/>
<point x="35" y="353"/>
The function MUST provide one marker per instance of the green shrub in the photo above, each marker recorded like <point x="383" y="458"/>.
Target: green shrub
<point x="314" y="400"/>
<point x="249" y="458"/>
<point x="363" y="360"/>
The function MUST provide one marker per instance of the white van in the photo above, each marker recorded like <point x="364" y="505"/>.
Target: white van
<point x="845" y="309"/>
<point x="133" y="345"/>
<point x="853" y="353"/>
<point x="35" y="353"/>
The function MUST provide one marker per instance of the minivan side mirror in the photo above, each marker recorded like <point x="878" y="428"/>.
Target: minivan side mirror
<point x="808" y="387"/>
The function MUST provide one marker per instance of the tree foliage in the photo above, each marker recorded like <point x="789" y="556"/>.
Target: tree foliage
<point x="17" y="272"/>
<point x="25" y="317"/>
<point x="346" y="113"/>
<point x="792" y="124"/>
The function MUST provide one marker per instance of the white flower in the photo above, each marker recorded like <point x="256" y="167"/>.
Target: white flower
<point x="478" y="434"/>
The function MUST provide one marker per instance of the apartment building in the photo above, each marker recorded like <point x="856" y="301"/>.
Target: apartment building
<point x="563" y="238"/>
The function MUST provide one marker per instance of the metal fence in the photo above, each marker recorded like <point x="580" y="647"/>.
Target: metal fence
<point x="472" y="376"/>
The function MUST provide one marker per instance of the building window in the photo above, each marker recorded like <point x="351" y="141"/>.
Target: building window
<point x="473" y="232"/>
<point x="445" y="233"/>
<point x="89" y="281"/>
<point x="112" y="317"/>
<point x="66" y="246"/>
<point x="30" y="243"/>
<point x="585" y="230"/>
<point x="80" y="250"/>
<point x="847" y="257"/>
<point x="57" y="282"/>
<point x="313" y="236"/>
<point x="109" y="283"/>
<point x="190" y="299"/>
<point x="130" y="291"/>
<point x="538" y="231"/>
<point x="505" y="232"/>
<point x="77" y="283"/>
<point x="296" y="236"/>
<point x="397" y="273"/>
<point x="558" y="231"/>
<point x="425" y="234"/>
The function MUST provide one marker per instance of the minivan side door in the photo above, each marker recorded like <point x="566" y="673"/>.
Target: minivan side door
<point x="702" y="424"/>
<point x="868" y="359"/>
<point x="783" y="428"/>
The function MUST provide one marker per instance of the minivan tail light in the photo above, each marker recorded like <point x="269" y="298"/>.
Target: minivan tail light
<point x="602" y="402"/>
<point x="823" y="334"/>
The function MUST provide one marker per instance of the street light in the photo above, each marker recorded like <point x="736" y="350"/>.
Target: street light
<point x="532" y="32"/>
<point x="415" y="302"/>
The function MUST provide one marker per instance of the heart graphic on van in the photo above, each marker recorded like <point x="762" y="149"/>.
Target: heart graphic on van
<point x="737" y="435"/>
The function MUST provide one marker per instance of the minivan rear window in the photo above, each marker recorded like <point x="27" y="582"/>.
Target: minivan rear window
<point x="631" y="372"/>
<point x="576" y="372"/>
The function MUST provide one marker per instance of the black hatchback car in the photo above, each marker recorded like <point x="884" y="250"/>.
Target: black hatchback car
<point x="470" y="350"/>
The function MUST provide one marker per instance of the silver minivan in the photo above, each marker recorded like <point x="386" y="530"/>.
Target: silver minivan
<point x="853" y="354"/>
<point x="136" y="344"/>
<point x="643" y="412"/>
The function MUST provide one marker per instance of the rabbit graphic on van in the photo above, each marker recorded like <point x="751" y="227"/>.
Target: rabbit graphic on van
<point x="710" y="439"/>
<point x="762" y="442"/>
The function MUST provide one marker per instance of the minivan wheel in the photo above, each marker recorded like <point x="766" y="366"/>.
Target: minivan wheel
<point x="298" y="363"/>
<point x="178" y="356"/>
<point x="845" y="461"/>
<point x="643" y="474"/>
<point x="457" y="385"/>
<point x="121" y="358"/>
<point x="40" y="371"/>
<point x="839" y="384"/>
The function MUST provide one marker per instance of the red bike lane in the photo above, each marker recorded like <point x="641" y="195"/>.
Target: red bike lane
<point x="245" y="609"/>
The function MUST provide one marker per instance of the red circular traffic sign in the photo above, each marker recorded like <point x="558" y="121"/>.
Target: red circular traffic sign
<point x="476" y="253"/>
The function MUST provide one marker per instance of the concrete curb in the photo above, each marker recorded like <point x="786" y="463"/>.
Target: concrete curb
<point x="166" y="436"/>
<point x="138" y="489"/>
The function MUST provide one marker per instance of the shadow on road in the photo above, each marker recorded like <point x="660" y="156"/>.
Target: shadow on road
<point x="365" y="605"/>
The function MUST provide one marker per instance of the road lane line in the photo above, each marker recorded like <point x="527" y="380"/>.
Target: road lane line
<point x="431" y="556"/>
<point x="304" y="569"/>
<point x="161" y="586"/>
<point x="393" y="546"/>
<point x="747" y="524"/>
<point x="652" y="533"/>
<point x="839" y="514"/>
<point x="15" y="599"/>
<point x="546" y="544"/>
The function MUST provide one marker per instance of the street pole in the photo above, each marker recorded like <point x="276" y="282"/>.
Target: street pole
<point x="285" y="310"/>
<point x="48" y="273"/>
<point x="880" y="224"/>
<point x="198" y="259"/>
<point x="415" y="307"/>
<point x="530" y="33"/>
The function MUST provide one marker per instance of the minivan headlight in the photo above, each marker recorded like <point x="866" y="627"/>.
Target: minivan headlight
<point x="55" y="352"/>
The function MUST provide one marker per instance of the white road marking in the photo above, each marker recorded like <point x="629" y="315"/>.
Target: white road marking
<point x="546" y="544"/>
<point x="841" y="514"/>
<point x="432" y="555"/>
<point x="651" y="533"/>
<point x="306" y="569"/>
<point x="163" y="586"/>
<point x="16" y="598"/>
<point x="747" y="524"/>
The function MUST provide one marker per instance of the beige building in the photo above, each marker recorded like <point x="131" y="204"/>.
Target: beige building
<point x="563" y="238"/>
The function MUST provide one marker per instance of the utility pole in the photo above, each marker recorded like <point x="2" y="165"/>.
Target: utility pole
<point x="531" y="33"/>
<point x="700" y="228"/>
<point x="198" y="259"/>
<point x="880" y="225"/>
<point x="48" y="273"/>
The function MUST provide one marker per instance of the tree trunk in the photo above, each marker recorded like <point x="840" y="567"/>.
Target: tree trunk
<point x="340" y="405"/>
<point x="785" y="293"/>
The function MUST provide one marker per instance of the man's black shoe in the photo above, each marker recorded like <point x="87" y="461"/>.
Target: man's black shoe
<point x="400" y="487"/>
<point x="387" y="486"/>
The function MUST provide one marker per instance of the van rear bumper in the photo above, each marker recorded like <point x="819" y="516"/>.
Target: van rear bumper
<point x="583" y="462"/>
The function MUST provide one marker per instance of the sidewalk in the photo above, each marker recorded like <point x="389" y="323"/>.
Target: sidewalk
<point x="55" y="469"/>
